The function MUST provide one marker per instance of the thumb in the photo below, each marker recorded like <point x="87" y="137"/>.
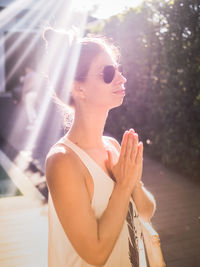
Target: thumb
<point x="109" y="161"/>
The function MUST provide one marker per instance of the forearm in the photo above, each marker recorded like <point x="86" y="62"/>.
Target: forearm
<point x="144" y="202"/>
<point x="125" y="171"/>
<point x="112" y="220"/>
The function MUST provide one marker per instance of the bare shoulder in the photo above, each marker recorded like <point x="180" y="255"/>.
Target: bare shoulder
<point x="61" y="164"/>
<point x="113" y="141"/>
<point x="58" y="155"/>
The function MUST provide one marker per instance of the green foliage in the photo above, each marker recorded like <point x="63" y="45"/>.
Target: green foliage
<point x="160" y="47"/>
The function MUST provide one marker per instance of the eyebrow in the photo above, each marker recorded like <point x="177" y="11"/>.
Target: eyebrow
<point x="102" y="66"/>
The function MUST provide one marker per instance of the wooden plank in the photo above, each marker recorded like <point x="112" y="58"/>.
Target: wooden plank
<point x="23" y="234"/>
<point x="176" y="216"/>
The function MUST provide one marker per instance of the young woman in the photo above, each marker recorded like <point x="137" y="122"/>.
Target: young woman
<point x="95" y="191"/>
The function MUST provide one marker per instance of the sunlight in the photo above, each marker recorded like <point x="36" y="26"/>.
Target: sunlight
<point x="107" y="8"/>
<point x="29" y="16"/>
<point x="12" y="10"/>
<point x="103" y="9"/>
<point x="59" y="56"/>
<point x="33" y="15"/>
<point x="29" y="46"/>
<point x="27" y="34"/>
<point x="18" y="64"/>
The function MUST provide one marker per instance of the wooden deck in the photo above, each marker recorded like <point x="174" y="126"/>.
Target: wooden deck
<point x="177" y="215"/>
<point x="23" y="233"/>
<point x="23" y="223"/>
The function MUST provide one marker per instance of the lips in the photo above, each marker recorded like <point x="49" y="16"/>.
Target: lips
<point x="119" y="92"/>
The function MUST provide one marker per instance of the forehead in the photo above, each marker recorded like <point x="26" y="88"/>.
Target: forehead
<point x="102" y="59"/>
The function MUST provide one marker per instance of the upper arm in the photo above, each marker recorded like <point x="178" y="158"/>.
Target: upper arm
<point x="71" y="200"/>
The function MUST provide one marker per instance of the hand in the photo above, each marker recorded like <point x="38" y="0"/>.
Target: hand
<point x="128" y="170"/>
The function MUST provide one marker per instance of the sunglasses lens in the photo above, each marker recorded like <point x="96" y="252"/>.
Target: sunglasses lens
<point x="108" y="73"/>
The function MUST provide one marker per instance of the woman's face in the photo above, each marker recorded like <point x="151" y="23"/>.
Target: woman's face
<point x="99" y="93"/>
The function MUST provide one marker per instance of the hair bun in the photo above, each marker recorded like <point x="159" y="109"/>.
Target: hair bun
<point x="48" y="34"/>
<point x="60" y="37"/>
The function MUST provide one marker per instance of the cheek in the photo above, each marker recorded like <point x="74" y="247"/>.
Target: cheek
<point x="98" y="93"/>
<point x="100" y="98"/>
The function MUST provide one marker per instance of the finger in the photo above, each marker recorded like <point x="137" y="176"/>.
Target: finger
<point x="134" y="147"/>
<point x="129" y="146"/>
<point x="131" y="131"/>
<point x="123" y="145"/>
<point x="139" y="157"/>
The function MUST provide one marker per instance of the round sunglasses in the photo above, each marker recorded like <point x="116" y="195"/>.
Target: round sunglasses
<point x="109" y="72"/>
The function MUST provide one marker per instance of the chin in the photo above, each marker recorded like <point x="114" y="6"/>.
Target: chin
<point x="117" y="103"/>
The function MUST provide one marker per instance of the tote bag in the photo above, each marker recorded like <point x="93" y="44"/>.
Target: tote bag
<point x="152" y="245"/>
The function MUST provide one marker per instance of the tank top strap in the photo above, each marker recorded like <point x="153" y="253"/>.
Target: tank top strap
<point x="89" y="163"/>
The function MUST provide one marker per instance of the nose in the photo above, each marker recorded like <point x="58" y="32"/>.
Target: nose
<point x="123" y="78"/>
<point x="120" y="78"/>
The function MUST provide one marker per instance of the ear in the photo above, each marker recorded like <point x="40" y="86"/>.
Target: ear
<point x="78" y="90"/>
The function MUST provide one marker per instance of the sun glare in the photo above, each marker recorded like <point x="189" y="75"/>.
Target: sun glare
<point x="103" y="9"/>
<point x="58" y="55"/>
<point x="57" y="15"/>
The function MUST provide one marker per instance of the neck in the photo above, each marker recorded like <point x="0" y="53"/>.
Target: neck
<point x="87" y="128"/>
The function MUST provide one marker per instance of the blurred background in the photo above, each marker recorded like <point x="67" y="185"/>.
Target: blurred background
<point x="159" y="43"/>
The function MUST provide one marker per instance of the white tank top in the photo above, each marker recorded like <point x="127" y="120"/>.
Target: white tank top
<point x="60" y="251"/>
